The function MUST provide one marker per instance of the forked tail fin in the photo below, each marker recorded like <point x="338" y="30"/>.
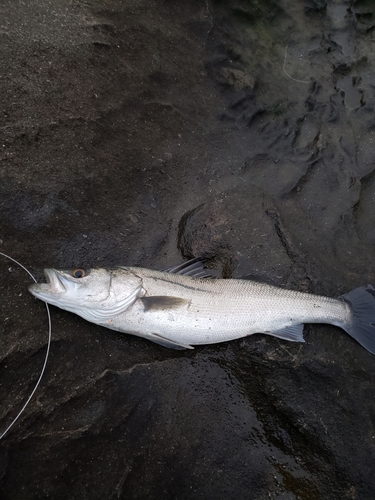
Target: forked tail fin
<point x="362" y="326"/>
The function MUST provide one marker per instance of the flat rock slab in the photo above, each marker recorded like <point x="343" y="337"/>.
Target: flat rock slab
<point x="145" y="132"/>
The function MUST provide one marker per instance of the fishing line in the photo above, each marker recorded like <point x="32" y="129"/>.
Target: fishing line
<point x="285" y="71"/>
<point x="47" y="353"/>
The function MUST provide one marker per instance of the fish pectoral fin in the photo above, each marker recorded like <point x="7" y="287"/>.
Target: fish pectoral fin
<point x="163" y="302"/>
<point x="159" y="339"/>
<point x="293" y="333"/>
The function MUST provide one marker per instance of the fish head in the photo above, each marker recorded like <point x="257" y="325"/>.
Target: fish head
<point x="97" y="294"/>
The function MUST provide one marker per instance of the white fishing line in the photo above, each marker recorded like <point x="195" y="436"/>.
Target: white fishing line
<point x="285" y="71"/>
<point x="47" y="353"/>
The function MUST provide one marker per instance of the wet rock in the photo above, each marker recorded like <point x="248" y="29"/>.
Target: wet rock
<point x="237" y="78"/>
<point x="309" y="133"/>
<point x="313" y="6"/>
<point x="353" y="97"/>
<point x="132" y="133"/>
<point x="220" y="229"/>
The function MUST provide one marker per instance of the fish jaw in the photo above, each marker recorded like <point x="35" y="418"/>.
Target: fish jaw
<point x="56" y="289"/>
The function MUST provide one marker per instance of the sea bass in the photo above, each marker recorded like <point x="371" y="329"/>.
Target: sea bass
<point x="180" y="307"/>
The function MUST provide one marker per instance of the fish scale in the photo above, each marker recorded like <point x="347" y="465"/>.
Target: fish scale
<point x="219" y="310"/>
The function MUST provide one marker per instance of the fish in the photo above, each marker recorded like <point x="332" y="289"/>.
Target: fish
<point x="184" y="305"/>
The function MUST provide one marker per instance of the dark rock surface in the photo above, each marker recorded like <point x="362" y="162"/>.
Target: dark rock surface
<point x="138" y="132"/>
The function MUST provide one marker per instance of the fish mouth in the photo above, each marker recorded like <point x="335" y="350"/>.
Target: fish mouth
<point x="55" y="281"/>
<point x="56" y="284"/>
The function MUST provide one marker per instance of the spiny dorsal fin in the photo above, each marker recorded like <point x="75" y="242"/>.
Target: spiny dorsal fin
<point x="193" y="267"/>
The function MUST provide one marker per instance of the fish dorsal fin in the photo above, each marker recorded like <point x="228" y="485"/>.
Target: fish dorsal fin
<point x="159" y="339"/>
<point x="193" y="267"/>
<point x="163" y="302"/>
<point x="104" y="313"/>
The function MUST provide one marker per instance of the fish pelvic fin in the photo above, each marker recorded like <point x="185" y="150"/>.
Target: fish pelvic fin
<point x="362" y="324"/>
<point x="294" y="333"/>
<point x="171" y="344"/>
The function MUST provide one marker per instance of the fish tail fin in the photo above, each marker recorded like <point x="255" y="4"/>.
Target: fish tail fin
<point x="362" y="324"/>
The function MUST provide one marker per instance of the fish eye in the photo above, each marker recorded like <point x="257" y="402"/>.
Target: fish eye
<point x="78" y="273"/>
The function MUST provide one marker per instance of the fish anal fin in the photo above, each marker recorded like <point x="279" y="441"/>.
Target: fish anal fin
<point x="163" y="302"/>
<point x="171" y="344"/>
<point x="294" y="333"/>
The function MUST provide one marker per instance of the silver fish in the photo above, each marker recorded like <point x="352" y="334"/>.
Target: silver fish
<point x="180" y="307"/>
